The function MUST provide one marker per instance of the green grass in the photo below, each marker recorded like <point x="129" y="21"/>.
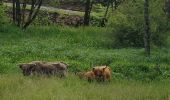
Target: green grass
<point x="134" y="76"/>
<point x="81" y="48"/>
<point x="18" y="87"/>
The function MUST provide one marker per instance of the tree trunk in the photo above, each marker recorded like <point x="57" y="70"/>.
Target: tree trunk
<point x="107" y="8"/>
<point x="116" y="5"/>
<point x="88" y="7"/>
<point x="104" y="19"/>
<point x="18" y="12"/>
<point x="167" y="8"/>
<point x="33" y="16"/>
<point x="147" y="28"/>
<point x="23" y="11"/>
<point x="0" y="2"/>
<point x="14" y="12"/>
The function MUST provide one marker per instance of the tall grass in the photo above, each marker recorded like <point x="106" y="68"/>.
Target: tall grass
<point x="17" y="87"/>
<point x="82" y="48"/>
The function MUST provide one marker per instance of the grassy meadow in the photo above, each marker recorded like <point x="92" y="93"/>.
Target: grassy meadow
<point x="135" y="77"/>
<point x="18" y="87"/>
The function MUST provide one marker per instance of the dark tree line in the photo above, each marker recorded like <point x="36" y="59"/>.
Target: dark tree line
<point x="20" y="16"/>
<point x="23" y="20"/>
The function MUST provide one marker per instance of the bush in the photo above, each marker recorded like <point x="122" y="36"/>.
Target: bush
<point x="2" y="15"/>
<point x="126" y="33"/>
<point x="128" y="24"/>
<point x="140" y="71"/>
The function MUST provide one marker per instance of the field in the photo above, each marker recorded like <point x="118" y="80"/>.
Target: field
<point x="17" y="87"/>
<point x="135" y="77"/>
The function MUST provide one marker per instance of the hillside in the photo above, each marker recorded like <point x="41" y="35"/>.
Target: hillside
<point x="82" y="48"/>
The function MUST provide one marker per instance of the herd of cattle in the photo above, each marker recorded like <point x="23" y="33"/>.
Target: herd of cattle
<point x="99" y="73"/>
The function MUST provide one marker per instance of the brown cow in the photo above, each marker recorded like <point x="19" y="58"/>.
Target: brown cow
<point x="61" y="68"/>
<point x="47" y="68"/>
<point x="51" y="68"/>
<point x="86" y="75"/>
<point x="102" y="73"/>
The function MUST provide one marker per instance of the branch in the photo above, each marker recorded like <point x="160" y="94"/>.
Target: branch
<point x="33" y="15"/>
<point x="23" y="11"/>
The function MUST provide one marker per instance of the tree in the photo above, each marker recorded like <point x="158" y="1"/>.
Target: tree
<point x="19" y="15"/>
<point x="114" y="4"/>
<point x="35" y="6"/>
<point x="88" y="8"/>
<point x="104" y="19"/>
<point x="14" y="12"/>
<point x="0" y="2"/>
<point x="18" y="12"/>
<point x="167" y="8"/>
<point x="147" y="33"/>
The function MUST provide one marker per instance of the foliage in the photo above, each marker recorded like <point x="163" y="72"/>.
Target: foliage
<point x="51" y="2"/>
<point x="3" y="18"/>
<point x="125" y="32"/>
<point x="128" y="19"/>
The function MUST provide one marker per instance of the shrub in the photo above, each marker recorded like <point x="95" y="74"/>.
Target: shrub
<point x="2" y="15"/>
<point x="128" y="24"/>
<point x="139" y="71"/>
<point x="125" y="32"/>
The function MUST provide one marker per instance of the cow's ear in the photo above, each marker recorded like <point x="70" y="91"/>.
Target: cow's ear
<point x="93" y="69"/>
<point x="66" y="64"/>
<point x="20" y="65"/>
<point x="104" y="68"/>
